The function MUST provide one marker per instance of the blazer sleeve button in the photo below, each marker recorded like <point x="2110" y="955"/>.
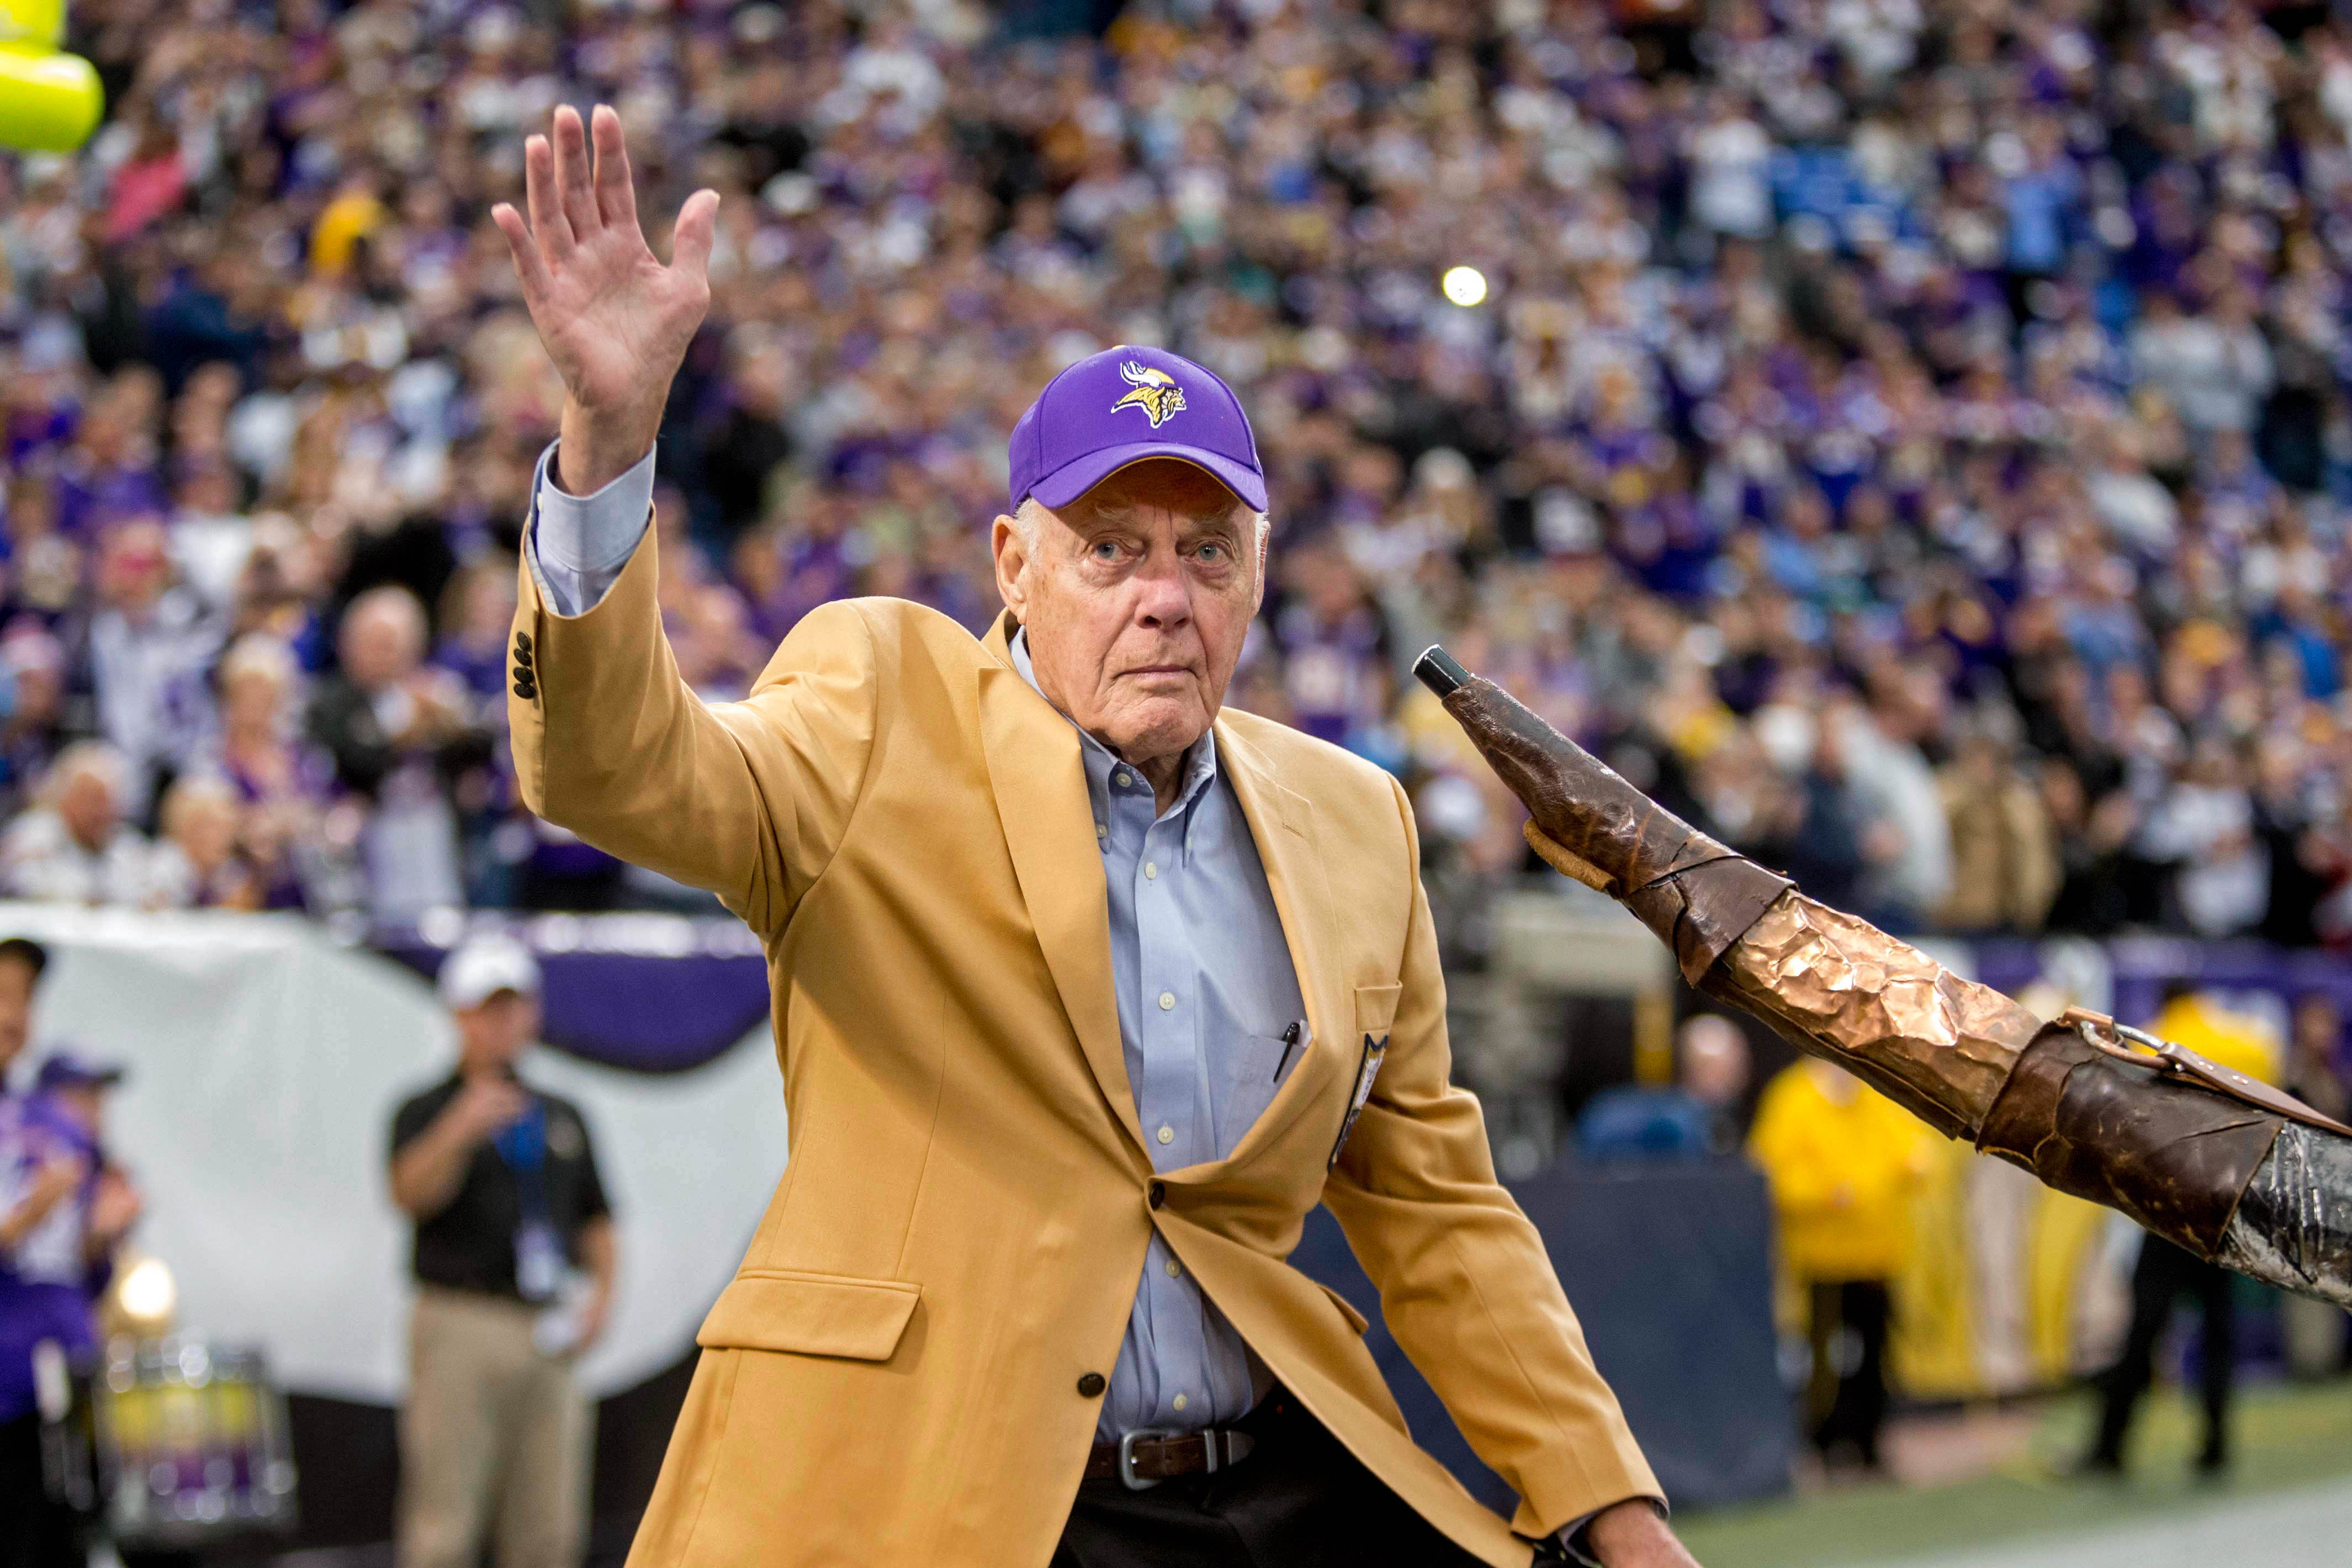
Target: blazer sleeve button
<point x="1155" y="1194"/>
<point x="1091" y="1385"/>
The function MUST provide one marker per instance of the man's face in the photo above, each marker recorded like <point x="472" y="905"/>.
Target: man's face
<point x="15" y="1009"/>
<point x="1137" y="597"/>
<point x="493" y="1032"/>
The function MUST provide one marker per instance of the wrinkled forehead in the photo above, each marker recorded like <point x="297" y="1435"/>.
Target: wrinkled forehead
<point x="1153" y="486"/>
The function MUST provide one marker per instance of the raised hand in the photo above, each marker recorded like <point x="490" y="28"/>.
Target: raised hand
<point x="614" y="319"/>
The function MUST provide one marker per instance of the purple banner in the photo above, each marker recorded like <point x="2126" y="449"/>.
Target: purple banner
<point x="650" y="992"/>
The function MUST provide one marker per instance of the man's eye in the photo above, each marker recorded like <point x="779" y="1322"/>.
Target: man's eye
<point x="1105" y="549"/>
<point x="1213" y="553"/>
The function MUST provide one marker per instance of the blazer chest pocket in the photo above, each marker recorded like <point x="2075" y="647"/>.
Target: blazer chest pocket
<point x="1376" y="1008"/>
<point x="810" y="1314"/>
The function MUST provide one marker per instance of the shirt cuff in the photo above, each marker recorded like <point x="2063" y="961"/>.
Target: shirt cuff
<point x="578" y="545"/>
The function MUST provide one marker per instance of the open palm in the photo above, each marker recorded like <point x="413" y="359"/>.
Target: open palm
<point x="614" y="319"/>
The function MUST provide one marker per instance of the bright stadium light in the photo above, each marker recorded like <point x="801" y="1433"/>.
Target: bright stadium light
<point x="1465" y="285"/>
<point x="148" y="1295"/>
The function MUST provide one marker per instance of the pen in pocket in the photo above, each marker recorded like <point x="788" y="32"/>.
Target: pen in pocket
<point x="1289" y="1042"/>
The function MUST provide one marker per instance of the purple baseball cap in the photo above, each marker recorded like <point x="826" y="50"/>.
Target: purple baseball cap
<point x="67" y="1068"/>
<point x="1120" y="406"/>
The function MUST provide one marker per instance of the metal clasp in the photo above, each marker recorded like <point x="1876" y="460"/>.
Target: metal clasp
<point x="1126" y="1476"/>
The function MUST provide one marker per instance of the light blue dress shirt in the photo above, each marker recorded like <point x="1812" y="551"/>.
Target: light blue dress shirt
<point x="1209" y="1012"/>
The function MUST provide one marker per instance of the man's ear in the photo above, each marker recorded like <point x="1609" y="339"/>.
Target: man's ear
<point x="1265" y="537"/>
<point x="1012" y="553"/>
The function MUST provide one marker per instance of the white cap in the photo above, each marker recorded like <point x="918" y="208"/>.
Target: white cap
<point x="484" y="966"/>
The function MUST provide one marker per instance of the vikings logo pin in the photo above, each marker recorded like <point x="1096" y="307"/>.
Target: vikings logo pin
<point x="1156" y="392"/>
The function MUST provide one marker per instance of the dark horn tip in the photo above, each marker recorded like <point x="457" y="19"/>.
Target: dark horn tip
<point x="1438" y="670"/>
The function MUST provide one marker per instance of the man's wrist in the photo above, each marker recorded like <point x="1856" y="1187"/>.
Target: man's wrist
<point x="1601" y="1536"/>
<point x="596" y="447"/>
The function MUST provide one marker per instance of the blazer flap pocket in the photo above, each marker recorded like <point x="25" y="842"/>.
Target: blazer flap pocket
<point x="1355" y="1320"/>
<point x="811" y="1314"/>
<point x="1376" y="1008"/>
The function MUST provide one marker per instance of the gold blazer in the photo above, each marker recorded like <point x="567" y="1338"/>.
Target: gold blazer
<point x="893" y="1375"/>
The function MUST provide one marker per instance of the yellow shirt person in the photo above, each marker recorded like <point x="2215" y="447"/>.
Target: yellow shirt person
<point x="1844" y="1164"/>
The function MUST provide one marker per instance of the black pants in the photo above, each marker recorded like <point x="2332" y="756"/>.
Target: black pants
<point x="33" y="1532"/>
<point x="1845" y="1402"/>
<point x="1299" y="1501"/>
<point x="2165" y="1274"/>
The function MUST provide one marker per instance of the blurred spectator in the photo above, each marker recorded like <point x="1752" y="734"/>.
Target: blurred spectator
<point x="65" y="1207"/>
<point x="2314" y="1071"/>
<point x="1699" y="1115"/>
<point x="2005" y="857"/>
<point x="1845" y="1164"/>
<point x="283" y="785"/>
<point x="198" y="862"/>
<point x="514" y="1262"/>
<point x="74" y="846"/>
<point x="2165" y="1273"/>
<point x="398" y="731"/>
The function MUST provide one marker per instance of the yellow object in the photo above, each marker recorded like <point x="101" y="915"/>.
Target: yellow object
<point x="1931" y="1349"/>
<point x="952" y="1255"/>
<point x="33" y="22"/>
<point x="1846" y="1165"/>
<point x="340" y="224"/>
<point x="49" y="102"/>
<point x="2225" y="1038"/>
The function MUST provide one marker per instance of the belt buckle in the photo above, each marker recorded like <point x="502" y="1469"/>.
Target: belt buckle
<point x="1126" y="1476"/>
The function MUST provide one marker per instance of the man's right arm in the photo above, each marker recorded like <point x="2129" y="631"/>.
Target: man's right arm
<point x="746" y="799"/>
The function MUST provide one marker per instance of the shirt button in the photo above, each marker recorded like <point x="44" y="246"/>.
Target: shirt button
<point x="1175" y="1270"/>
<point x="1124" y="780"/>
<point x="1100" y="831"/>
<point x="1090" y="1384"/>
<point x="1166" y="1135"/>
<point x="1179" y="1401"/>
<point x="1167" y="1000"/>
<point x="1150" y="872"/>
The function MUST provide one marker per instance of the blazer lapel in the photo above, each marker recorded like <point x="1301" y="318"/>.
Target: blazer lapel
<point x="1282" y="824"/>
<point x="1041" y="798"/>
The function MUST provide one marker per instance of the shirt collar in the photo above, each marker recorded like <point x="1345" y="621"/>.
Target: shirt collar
<point x="1199" y="762"/>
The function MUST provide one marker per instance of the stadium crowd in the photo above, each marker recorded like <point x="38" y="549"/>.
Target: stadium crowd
<point x="1910" y="437"/>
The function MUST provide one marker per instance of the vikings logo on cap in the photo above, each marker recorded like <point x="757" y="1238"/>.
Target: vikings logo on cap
<point x="1156" y="392"/>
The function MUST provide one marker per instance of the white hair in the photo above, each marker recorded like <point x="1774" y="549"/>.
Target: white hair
<point x="87" y="759"/>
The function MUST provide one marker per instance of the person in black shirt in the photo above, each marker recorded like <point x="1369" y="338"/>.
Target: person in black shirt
<point x="514" y="1262"/>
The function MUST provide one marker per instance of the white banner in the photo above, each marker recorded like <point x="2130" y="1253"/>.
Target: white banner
<point x="265" y="1062"/>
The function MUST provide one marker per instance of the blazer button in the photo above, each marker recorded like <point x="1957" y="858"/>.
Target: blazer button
<point x="522" y="642"/>
<point x="1091" y="1385"/>
<point x="1156" y="1194"/>
<point x="529" y="691"/>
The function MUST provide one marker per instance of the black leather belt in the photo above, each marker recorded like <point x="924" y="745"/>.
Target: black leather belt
<point x="1145" y="1459"/>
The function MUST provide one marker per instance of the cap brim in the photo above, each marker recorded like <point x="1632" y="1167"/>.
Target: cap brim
<point x="1075" y="478"/>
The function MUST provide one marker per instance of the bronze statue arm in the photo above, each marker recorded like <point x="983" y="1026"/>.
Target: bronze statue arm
<point x="2240" y="1175"/>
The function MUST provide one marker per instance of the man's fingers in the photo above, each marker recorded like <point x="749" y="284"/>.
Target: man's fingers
<point x="616" y="194"/>
<point x="549" y="227"/>
<point x="530" y="266"/>
<point x="572" y="189"/>
<point x="689" y="247"/>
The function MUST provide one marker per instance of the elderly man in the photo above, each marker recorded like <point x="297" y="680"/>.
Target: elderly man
<point x="74" y="847"/>
<point x="1085" y="994"/>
